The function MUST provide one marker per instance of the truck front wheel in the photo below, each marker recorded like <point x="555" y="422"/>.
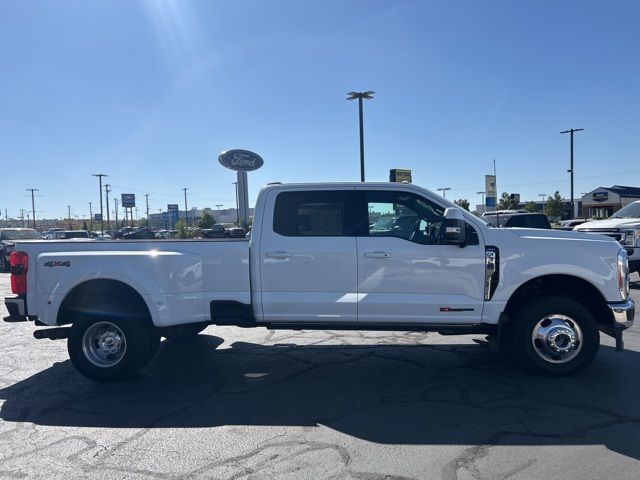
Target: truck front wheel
<point x="555" y="335"/>
<point x="107" y="349"/>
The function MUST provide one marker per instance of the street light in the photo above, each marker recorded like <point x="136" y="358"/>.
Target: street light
<point x="33" y="205"/>
<point x="571" y="132"/>
<point x="218" y="205"/>
<point x="443" y="190"/>
<point x="544" y="200"/>
<point x="237" y="206"/>
<point x="368" y="95"/>
<point x="482" y="193"/>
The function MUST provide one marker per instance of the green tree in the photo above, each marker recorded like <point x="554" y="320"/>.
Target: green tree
<point x="206" y="221"/>
<point x="181" y="227"/>
<point x="84" y="225"/>
<point x="507" y="202"/>
<point x="531" y="207"/>
<point x="462" y="203"/>
<point x="554" y="206"/>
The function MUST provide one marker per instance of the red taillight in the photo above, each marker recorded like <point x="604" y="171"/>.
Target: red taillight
<point x="19" y="262"/>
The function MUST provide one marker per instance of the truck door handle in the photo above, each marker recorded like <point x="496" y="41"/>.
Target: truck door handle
<point x="279" y="254"/>
<point x="377" y="254"/>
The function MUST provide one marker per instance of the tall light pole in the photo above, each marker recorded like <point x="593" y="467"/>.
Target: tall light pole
<point x="100" y="175"/>
<point x="33" y="204"/>
<point x="544" y="200"/>
<point x="186" y="212"/>
<point x="482" y="193"/>
<point x="218" y="205"/>
<point x="571" y="132"/>
<point x="443" y="190"/>
<point x="90" y="218"/>
<point x="368" y="95"/>
<point x="69" y="209"/>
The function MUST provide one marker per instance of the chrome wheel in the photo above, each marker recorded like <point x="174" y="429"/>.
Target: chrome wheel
<point x="557" y="338"/>
<point x="104" y="344"/>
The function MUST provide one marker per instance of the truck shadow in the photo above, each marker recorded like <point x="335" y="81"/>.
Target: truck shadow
<point x="389" y="394"/>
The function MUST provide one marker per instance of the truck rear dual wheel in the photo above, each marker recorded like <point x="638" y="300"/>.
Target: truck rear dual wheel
<point x="108" y="349"/>
<point x="555" y="335"/>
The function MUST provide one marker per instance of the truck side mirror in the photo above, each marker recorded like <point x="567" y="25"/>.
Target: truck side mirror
<point x="455" y="228"/>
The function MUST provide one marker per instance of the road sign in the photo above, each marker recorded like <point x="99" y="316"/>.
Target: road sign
<point x="172" y="207"/>
<point x="128" y="200"/>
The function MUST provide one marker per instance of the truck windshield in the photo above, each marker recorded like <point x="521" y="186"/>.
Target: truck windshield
<point x="27" y="234"/>
<point x="630" y="211"/>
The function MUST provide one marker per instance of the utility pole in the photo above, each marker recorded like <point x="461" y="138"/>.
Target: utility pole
<point x="146" y="196"/>
<point x="115" y="202"/>
<point x="22" y="216"/>
<point x="69" y="209"/>
<point x="33" y="205"/>
<point x="544" y="200"/>
<point x="218" y="205"/>
<point x="482" y="193"/>
<point x="107" y="189"/>
<point x="186" y="213"/>
<point x="90" y="217"/>
<point x="100" y="175"/>
<point x="368" y="95"/>
<point x="571" y="132"/>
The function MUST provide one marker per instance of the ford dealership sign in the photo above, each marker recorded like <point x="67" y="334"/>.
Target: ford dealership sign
<point x="240" y="160"/>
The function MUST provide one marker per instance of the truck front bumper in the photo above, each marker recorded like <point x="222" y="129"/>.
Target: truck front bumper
<point x="623" y="314"/>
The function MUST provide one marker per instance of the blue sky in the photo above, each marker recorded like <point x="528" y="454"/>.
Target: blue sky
<point x="150" y="92"/>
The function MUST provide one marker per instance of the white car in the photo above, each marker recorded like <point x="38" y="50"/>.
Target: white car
<point x="315" y="262"/>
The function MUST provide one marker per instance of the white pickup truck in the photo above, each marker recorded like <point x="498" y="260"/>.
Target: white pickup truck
<point x="356" y="256"/>
<point x="624" y="226"/>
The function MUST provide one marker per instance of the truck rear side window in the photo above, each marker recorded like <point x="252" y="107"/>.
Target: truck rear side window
<point x="311" y="214"/>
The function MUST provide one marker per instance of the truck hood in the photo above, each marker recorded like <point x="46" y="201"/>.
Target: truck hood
<point x="609" y="223"/>
<point x="539" y="233"/>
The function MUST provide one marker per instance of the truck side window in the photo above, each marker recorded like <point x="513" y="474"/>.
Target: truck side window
<point x="404" y="215"/>
<point x="311" y="214"/>
<point x="408" y="216"/>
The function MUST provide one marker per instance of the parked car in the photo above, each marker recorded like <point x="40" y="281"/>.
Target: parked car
<point x="8" y="238"/>
<point x="624" y="226"/>
<point x="68" y="234"/>
<point x="520" y="220"/>
<point x="313" y="262"/>
<point x="570" y="224"/>
<point x="144" y="233"/>
<point x="216" y="231"/>
<point x="236" y="232"/>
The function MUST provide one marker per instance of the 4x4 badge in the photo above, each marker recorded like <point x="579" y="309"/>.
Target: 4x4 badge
<point x="57" y="263"/>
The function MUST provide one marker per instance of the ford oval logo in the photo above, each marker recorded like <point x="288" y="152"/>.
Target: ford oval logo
<point x="242" y="160"/>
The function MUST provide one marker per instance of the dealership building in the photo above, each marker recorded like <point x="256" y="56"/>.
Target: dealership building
<point x="605" y="201"/>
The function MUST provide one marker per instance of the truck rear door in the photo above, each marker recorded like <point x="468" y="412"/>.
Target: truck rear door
<point x="307" y="253"/>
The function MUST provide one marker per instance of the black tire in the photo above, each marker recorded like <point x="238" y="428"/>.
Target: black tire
<point x="568" y="324"/>
<point x="181" y="333"/>
<point x="135" y="338"/>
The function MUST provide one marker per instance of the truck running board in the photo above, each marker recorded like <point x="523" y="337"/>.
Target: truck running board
<point x="56" y="333"/>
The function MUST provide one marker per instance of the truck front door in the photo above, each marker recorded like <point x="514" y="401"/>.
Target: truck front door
<point x="308" y="264"/>
<point x="406" y="272"/>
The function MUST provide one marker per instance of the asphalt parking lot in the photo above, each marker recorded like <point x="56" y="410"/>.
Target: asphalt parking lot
<point x="239" y="404"/>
